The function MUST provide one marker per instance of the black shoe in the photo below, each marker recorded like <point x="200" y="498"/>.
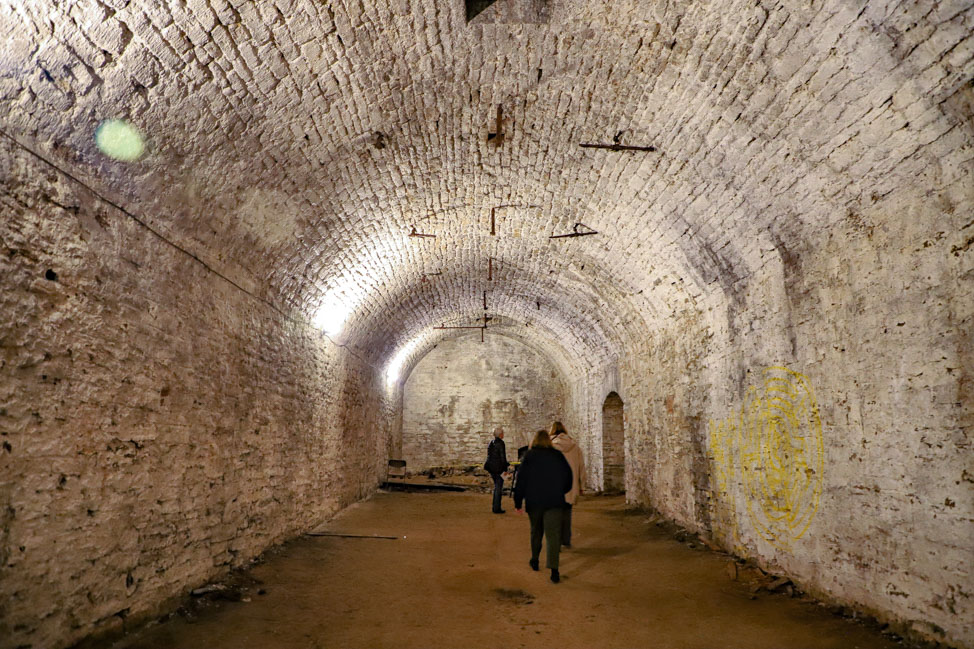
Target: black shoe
<point x="555" y="577"/>
<point x="534" y="564"/>
<point x="500" y="511"/>
<point x="566" y="545"/>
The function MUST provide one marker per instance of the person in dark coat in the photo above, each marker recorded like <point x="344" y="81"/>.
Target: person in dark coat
<point x="496" y="465"/>
<point x="543" y="479"/>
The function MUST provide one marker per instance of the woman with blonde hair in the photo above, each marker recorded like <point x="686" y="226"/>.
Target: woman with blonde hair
<point x="543" y="479"/>
<point x="564" y="443"/>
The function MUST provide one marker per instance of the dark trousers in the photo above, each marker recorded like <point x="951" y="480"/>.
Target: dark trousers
<point x="547" y="523"/>
<point x="498" y="489"/>
<point x="566" y="526"/>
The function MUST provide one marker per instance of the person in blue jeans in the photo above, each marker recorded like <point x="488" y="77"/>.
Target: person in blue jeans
<point x="496" y="465"/>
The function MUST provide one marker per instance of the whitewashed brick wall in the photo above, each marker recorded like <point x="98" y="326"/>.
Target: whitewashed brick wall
<point x="808" y="206"/>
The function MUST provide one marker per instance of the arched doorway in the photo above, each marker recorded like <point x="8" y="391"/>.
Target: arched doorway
<point x="613" y="445"/>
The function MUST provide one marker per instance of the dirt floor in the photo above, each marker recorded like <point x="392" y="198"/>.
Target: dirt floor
<point x="456" y="575"/>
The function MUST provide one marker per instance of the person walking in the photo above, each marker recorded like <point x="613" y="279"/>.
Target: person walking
<point x="496" y="465"/>
<point x="543" y="479"/>
<point x="562" y="441"/>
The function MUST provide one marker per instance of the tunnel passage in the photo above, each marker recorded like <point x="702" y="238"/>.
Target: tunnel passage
<point x="463" y="390"/>
<point x="231" y="231"/>
<point x="613" y="444"/>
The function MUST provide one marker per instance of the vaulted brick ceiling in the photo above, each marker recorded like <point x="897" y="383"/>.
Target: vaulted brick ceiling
<point x="294" y="144"/>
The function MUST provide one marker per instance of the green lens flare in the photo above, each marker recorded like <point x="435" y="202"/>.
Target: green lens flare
<point x="118" y="139"/>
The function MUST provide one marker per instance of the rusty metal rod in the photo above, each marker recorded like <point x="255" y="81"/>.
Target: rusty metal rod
<point x="572" y="234"/>
<point x="497" y="136"/>
<point x="618" y="147"/>
<point x="413" y="233"/>
<point x="575" y="232"/>
<point x="352" y="536"/>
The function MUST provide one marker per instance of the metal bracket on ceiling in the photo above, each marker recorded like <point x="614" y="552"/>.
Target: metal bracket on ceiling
<point x="459" y="327"/>
<point x="497" y="137"/>
<point x="575" y="232"/>
<point x="493" y="217"/>
<point x="413" y="233"/>
<point x="482" y="327"/>
<point x="616" y="146"/>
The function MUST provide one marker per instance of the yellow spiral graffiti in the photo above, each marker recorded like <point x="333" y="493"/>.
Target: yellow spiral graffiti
<point x="781" y="457"/>
<point x="723" y="438"/>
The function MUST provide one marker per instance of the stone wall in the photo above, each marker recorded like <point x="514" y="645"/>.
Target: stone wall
<point x="584" y="419"/>
<point x="158" y="424"/>
<point x="823" y="428"/>
<point x="463" y="389"/>
<point x="806" y="205"/>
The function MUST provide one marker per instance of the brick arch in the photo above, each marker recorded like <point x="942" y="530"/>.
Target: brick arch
<point x="613" y="444"/>
<point x="460" y="391"/>
<point x="806" y="206"/>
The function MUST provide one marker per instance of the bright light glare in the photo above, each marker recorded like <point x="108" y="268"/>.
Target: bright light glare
<point x="395" y="366"/>
<point x="331" y="317"/>
<point x="118" y="139"/>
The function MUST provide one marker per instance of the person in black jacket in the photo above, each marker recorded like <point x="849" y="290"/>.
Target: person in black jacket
<point x="496" y="465"/>
<point x="543" y="479"/>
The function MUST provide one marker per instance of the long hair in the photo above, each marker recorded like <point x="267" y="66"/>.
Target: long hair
<point x="557" y="429"/>
<point x="541" y="440"/>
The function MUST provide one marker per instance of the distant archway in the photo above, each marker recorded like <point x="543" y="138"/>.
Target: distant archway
<point x="459" y="392"/>
<point x="613" y="445"/>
